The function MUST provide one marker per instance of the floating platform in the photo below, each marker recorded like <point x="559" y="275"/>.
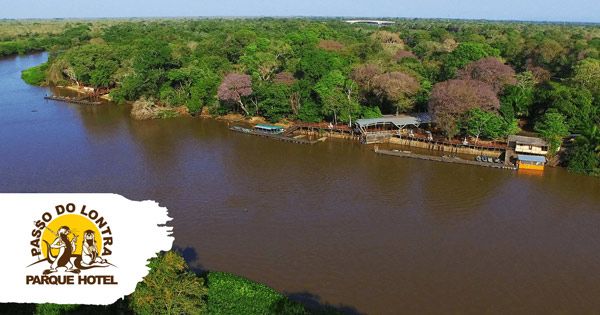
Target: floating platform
<point x="72" y="100"/>
<point x="446" y="159"/>
<point x="276" y="136"/>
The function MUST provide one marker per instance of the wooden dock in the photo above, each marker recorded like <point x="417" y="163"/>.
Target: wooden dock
<point x="280" y="137"/>
<point x="74" y="100"/>
<point x="446" y="159"/>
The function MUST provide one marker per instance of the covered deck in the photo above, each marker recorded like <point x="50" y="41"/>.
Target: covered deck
<point x="374" y="130"/>
<point x="269" y="128"/>
<point x="531" y="162"/>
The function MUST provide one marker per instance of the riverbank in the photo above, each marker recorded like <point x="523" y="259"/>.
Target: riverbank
<point x="35" y="75"/>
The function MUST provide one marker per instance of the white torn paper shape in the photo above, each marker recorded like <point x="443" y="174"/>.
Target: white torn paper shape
<point x="77" y="248"/>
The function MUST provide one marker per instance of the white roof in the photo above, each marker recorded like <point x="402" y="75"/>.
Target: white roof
<point x="399" y="121"/>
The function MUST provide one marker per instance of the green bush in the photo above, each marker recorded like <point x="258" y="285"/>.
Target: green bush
<point x="35" y="75"/>
<point x="230" y="294"/>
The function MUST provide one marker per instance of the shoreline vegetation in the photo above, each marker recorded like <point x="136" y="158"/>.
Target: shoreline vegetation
<point x="478" y="80"/>
<point x="205" y="293"/>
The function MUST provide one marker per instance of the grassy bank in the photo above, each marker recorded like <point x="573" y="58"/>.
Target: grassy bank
<point x="35" y="75"/>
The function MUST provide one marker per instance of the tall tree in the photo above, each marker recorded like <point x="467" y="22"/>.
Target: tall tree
<point x="517" y="99"/>
<point x="584" y="156"/>
<point x="169" y="288"/>
<point x="491" y="71"/>
<point x="338" y="96"/>
<point x="464" y="54"/>
<point x="575" y="103"/>
<point x="451" y="99"/>
<point x="399" y="88"/>
<point x="479" y="123"/>
<point x="234" y="88"/>
<point x="587" y="75"/>
<point x="553" y="128"/>
<point x="365" y="75"/>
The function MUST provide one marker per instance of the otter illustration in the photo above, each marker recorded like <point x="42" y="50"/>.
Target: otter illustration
<point x="66" y="249"/>
<point x="89" y="252"/>
<point x="88" y="259"/>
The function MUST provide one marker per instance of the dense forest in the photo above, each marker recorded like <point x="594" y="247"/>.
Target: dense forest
<point x="480" y="79"/>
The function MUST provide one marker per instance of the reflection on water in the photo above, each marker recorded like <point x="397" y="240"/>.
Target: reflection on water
<point x="333" y="222"/>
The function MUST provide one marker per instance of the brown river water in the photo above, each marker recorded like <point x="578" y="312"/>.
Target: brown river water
<point x="332" y="223"/>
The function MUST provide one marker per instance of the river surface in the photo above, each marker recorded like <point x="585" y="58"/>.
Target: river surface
<point x="331" y="223"/>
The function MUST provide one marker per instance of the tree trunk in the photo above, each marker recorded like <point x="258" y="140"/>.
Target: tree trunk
<point x="243" y="107"/>
<point x="295" y="102"/>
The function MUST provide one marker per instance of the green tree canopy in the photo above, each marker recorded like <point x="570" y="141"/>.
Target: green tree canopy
<point x="553" y="128"/>
<point x="338" y="95"/>
<point x="169" y="288"/>
<point x="464" y="54"/>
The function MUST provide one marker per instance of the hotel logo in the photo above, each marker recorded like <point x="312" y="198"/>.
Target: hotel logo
<point x="67" y="243"/>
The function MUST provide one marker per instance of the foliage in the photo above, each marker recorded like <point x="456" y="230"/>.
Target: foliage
<point x="310" y="112"/>
<point x="274" y="101"/>
<point x="464" y="54"/>
<point x="338" y="95"/>
<point x="398" y="88"/>
<point x="552" y="128"/>
<point x="587" y="75"/>
<point x="230" y="294"/>
<point x="574" y="103"/>
<point x="234" y="88"/>
<point x="451" y="99"/>
<point x="479" y="123"/>
<point x="371" y="112"/>
<point x="584" y="157"/>
<point x="516" y="101"/>
<point x="169" y="288"/>
<point x="35" y="75"/>
<point x="491" y="71"/>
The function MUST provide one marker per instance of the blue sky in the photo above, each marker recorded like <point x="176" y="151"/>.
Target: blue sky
<point x="536" y="10"/>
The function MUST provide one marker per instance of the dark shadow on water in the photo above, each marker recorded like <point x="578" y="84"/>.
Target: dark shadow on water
<point x="315" y="305"/>
<point x="190" y="255"/>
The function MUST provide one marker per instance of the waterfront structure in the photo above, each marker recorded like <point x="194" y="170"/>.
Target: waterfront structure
<point x="531" y="162"/>
<point x="371" y="22"/>
<point x="528" y="145"/>
<point x="530" y="152"/>
<point x="269" y="128"/>
<point x="374" y="130"/>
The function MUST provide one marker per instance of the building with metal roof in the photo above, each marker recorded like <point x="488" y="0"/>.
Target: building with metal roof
<point x="531" y="162"/>
<point x="371" y="22"/>
<point x="400" y="121"/>
<point x="269" y="128"/>
<point x="528" y="145"/>
<point x="375" y="130"/>
<point x="531" y="158"/>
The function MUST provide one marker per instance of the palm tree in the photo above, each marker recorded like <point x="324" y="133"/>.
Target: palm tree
<point x="590" y="137"/>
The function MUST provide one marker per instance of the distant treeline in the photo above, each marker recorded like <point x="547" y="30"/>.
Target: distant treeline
<point x="479" y="79"/>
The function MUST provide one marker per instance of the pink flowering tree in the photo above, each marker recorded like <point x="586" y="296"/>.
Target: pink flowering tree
<point x="234" y="88"/>
<point x="451" y="99"/>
